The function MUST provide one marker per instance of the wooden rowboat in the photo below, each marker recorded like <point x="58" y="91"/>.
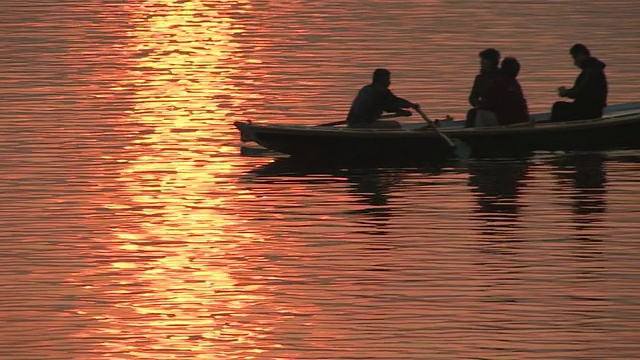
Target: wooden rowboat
<point x="619" y="128"/>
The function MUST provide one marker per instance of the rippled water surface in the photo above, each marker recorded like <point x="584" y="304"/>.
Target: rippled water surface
<point x="132" y="228"/>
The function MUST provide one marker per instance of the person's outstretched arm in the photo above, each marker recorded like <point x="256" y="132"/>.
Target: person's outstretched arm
<point x="393" y="103"/>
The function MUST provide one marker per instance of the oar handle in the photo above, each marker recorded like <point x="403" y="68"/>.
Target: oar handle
<point x="443" y="136"/>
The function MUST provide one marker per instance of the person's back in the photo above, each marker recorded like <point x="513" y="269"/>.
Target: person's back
<point x="368" y="105"/>
<point x="591" y="88"/>
<point x="374" y="99"/>
<point x="505" y="97"/>
<point x="589" y="92"/>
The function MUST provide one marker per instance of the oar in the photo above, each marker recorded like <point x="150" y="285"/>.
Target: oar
<point x="334" y="123"/>
<point x="445" y="137"/>
<point x="341" y="122"/>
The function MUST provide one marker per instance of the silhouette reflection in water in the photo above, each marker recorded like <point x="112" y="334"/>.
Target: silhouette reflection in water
<point x="370" y="185"/>
<point x="585" y="175"/>
<point x="373" y="188"/>
<point x="498" y="185"/>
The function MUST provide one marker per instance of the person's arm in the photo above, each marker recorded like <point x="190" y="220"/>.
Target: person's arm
<point x="575" y="91"/>
<point x="590" y="76"/>
<point x="393" y="103"/>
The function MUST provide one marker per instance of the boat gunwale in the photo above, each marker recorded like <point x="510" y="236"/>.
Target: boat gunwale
<point x="454" y="131"/>
<point x="609" y="120"/>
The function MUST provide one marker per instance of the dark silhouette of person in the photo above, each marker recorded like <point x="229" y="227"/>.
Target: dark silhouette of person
<point x="489" y="61"/>
<point x="374" y="99"/>
<point x="505" y="97"/>
<point x="589" y="92"/>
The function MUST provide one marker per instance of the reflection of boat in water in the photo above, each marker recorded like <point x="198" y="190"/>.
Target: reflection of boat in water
<point x="497" y="186"/>
<point x="579" y="182"/>
<point x="368" y="188"/>
<point x="502" y="205"/>
<point x="584" y="177"/>
<point x="297" y="166"/>
<point x="618" y="128"/>
<point x="585" y="173"/>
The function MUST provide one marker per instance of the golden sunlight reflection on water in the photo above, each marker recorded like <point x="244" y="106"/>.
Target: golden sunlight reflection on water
<point x="191" y="294"/>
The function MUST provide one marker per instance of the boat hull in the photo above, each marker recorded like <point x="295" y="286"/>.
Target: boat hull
<point x="603" y="134"/>
<point x="615" y="131"/>
<point x="348" y="144"/>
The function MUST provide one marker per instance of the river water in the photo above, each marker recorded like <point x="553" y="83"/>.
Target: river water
<point x="132" y="228"/>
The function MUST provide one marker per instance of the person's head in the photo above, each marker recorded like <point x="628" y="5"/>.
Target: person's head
<point x="510" y="67"/>
<point x="382" y="77"/>
<point x="579" y="53"/>
<point x="489" y="59"/>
